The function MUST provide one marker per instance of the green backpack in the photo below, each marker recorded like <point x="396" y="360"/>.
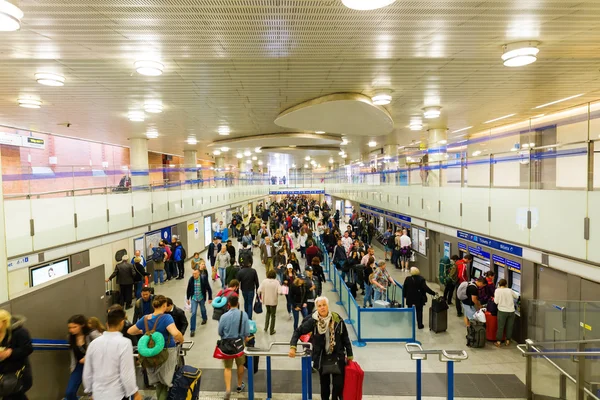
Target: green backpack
<point x="444" y="265"/>
<point x="152" y="348"/>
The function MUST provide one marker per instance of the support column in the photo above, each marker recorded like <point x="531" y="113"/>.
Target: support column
<point x="138" y="159"/>
<point x="190" y="161"/>
<point x="220" y="171"/>
<point x="3" y="261"/>
<point x="436" y="152"/>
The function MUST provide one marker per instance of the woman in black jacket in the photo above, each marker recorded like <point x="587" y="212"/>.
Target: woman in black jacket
<point x="331" y="346"/>
<point x="298" y="296"/>
<point x="14" y="358"/>
<point x="415" y="292"/>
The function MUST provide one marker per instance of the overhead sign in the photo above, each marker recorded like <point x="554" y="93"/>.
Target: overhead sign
<point x="512" y="265"/>
<point x="297" y="192"/>
<point x="384" y="212"/>
<point x="462" y="246"/>
<point x="13" y="139"/>
<point x="22" y="262"/>
<point x="479" y="252"/>
<point x="34" y="143"/>
<point x="494" y="244"/>
<point x="10" y="139"/>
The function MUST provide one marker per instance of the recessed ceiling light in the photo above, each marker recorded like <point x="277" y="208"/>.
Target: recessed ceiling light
<point x="248" y="161"/>
<point x="223" y="130"/>
<point x="217" y="152"/>
<point x="331" y="161"/>
<point x="531" y="144"/>
<point x="381" y="98"/>
<point x="498" y="119"/>
<point x="148" y="67"/>
<point x="239" y="155"/>
<point x="293" y="165"/>
<point x="254" y="158"/>
<point x="476" y="153"/>
<point x="361" y="164"/>
<point x="154" y="107"/>
<point x="307" y="158"/>
<point x="462" y="129"/>
<point x="247" y="153"/>
<point x="29" y="103"/>
<point x="561" y="100"/>
<point x="48" y="78"/>
<point x="372" y="143"/>
<point x="305" y="165"/>
<point x="224" y="149"/>
<point x="257" y="150"/>
<point x="10" y="17"/>
<point x="320" y="132"/>
<point x="443" y="142"/>
<point x="366" y="4"/>
<point x="432" y="112"/>
<point x="520" y="54"/>
<point x="260" y="163"/>
<point x="415" y="126"/>
<point x="344" y="155"/>
<point x="152" y="134"/>
<point x="136" y="116"/>
<point x="192" y="141"/>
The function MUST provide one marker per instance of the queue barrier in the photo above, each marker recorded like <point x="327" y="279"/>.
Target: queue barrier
<point x="371" y="324"/>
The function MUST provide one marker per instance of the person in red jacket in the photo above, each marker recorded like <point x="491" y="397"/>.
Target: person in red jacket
<point x="462" y="267"/>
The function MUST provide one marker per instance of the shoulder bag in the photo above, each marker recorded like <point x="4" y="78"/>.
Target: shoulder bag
<point x="230" y="348"/>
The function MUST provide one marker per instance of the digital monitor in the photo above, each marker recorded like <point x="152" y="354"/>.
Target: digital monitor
<point x="207" y="231"/>
<point x="476" y="273"/>
<point x="501" y="273"/>
<point x="47" y="272"/>
<point x="516" y="282"/>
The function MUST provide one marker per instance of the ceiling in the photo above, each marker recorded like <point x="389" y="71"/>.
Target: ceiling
<point x="242" y="63"/>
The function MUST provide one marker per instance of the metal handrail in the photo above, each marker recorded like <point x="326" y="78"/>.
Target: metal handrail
<point x="561" y="342"/>
<point x="254" y="351"/>
<point x="417" y="353"/>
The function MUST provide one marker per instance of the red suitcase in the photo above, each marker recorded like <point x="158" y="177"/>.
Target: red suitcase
<point x="491" y="327"/>
<point x="353" y="381"/>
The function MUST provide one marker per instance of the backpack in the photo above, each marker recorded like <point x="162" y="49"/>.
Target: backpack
<point x="452" y="274"/>
<point x="443" y="267"/>
<point x="246" y="257"/>
<point x="183" y="254"/>
<point x="158" y="255"/>
<point x="186" y="384"/>
<point x="295" y="222"/>
<point x="390" y="242"/>
<point x="461" y="293"/>
<point x="152" y="348"/>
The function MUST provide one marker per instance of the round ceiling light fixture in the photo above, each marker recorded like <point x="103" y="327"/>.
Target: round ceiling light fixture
<point x="154" y="107"/>
<point x="363" y="5"/>
<point x="148" y="67"/>
<point x="152" y="134"/>
<point x="224" y="149"/>
<point x="192" y="141"/>
<point x="223" y="130"/>
<point x="49" y="79"/>
<point x="136" y="116"/>
<point x="382" y="98"/>
<point x="344" y="155"/>
<point x="247" y="153"/>
<point x="307" y="158"/>
<point x="254" y="158"/>
<point x="257" y="150"/>
<point x="10" y="17"/>
<point x="248" y="161"/>
<point x="305" y="165"/>
<point x="520" y="53"/>
<point x="217" y="152"/>
<point x="331" y="161"/>
<point x="432" y="112"/>
<point x="29" y="103"/>
<point x="239" y="155"/>
<point x="372" y="143"/>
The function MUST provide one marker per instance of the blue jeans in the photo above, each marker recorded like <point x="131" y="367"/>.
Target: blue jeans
<point x="288" y="299"/>
<point x="368" y="295"/>
<point x="160" y="273"/>
<point x="222" y="277"/>
<point x="379" y="294"/>
<point x="296" y="314"/>
<point x="74" y="382"/>
<point x="138" y="289"/>
<point x="195" y="305"/>
<point x="248" y="299"/>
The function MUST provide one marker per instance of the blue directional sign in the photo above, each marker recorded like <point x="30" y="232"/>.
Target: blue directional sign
<point x="494" y="244"/>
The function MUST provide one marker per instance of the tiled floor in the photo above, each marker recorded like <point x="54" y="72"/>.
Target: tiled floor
<point x="492" y="364"/>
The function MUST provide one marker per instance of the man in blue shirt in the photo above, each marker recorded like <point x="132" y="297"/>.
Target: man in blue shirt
<point x="143" y="305"/>
<point x="232" y="325"/>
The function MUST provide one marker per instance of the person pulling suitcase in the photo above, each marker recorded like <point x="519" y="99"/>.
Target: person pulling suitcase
<point x="415" y="292"/>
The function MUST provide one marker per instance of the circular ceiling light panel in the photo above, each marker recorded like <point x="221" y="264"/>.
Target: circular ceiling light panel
<point x="382" y="99"/>
<point x="520" y="54"/>
<point x="363" y="5"/>
<point x="247" y="153"/>
<point x="10" y="17"/>
<point x="136" y="116"/>
<point x="223" y="130"/>
<point x="372" y="143"/>
<point x="192" y="141"/>
<point x="152" y="134"/>
<point x="415" y="126"/>
<point x="49" y="79"/>
<point x="432" y="112"/>
<point x="153" y="107"/>
<point x="239" y="155"/>
<point x="217" y="152"/>
<point x="340" y="113"/>
<point x="148" y="67"/>
<point x="29" y="103"/>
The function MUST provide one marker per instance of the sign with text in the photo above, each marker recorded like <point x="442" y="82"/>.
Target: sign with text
<point x="297" y="192"/>
<point x="494" y="244"/>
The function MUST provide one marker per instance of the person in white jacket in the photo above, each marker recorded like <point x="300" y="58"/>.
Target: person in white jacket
<point x="505" y="299"/>
<point x="269" y="291"/>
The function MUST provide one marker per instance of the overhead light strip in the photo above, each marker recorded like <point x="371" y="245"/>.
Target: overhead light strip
<point x="462" y="129"/>
<point x="498" y="119"/>
<point x="559" y="101"/>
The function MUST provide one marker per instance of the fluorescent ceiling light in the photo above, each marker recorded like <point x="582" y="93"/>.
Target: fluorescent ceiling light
<point x="223" y="130"/>
<point x="372" y="143"/>
<point x="366" y="4"/>
<point x="154" y="107"/>
<point x="152" y="134"/>
<point x="239" y="155"/>
<point x="319" y="132"/>
<point x="498" y="119"/>
<point x="224" y="149"/>
<point x="247" y="153"/>
<point x="415" y="126"/>
<point x="462" y="129"/>
<point x="381" y="98"/>
<point x="29" y="103"/>
<point x="10" y="17"/>
<point x="520" y="54"/>
<point x="257" y="150"/>
<point x="559" y="101"/>
<point x="148" y="67"/>
<point x="192" y="141"/>
<point x="254" y="158"/>
<point x="307" y="158"/>
<point x="432" y="112"/>
<point x="217" y="152"/>
<point x="136" y="116"/>
<point x="48" y="78"/>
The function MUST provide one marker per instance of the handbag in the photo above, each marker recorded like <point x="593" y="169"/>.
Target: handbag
<point x="330" y="365"/>
<point x="11" y="383"/>
<point x="232" y="347"/>
<point x="258" y="309"/>
<point x="285" y="290"/>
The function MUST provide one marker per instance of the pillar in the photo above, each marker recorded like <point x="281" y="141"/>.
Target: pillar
<point x="436" y="151"/>
<point x="138" y="159"/>
<point x="220" y="171"/>
<point x="190" y="161"/>
<point x="3" y="261"/>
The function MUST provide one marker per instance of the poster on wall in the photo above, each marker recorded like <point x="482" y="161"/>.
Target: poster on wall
<point x="423" y="241"/>
<point x="196" y="230"/>
<point x="47" y="272"/>
<point x="207" y="231"/>
<point x="152" y="240"/>
<point x="414" y="237"/>
<point x="138" y="244"/>
<point x="447" y="249"/>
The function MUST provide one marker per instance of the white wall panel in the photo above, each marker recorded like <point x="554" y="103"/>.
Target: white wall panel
<point x="120" y="212"/>
<point x="571" y="171"/>
<point x="186" y="196"/>
<point x="17" y="214"/>
<point x="53" y="221"/>
<point x="91" y="216"/>
<point x="416" y="194"/>
<point x="557" y="221"/>
<point x="478" y="174"/>
<point x="450" y="210"/>
<point x="159" y="201"/>
<point x="507" y="174"/>
<point x="142" y="210"/>
<point x="475" y="209"/>
<point x="431" y="196"/>
<point x="175" y="209"/>
<point x="593" y="246"/>
<point x="509" y="214"/>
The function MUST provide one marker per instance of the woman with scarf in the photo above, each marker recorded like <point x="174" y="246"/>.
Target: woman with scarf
<point x="331" y="347"/>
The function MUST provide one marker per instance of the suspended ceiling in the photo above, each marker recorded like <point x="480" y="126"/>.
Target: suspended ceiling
<point x="241" y="63"/>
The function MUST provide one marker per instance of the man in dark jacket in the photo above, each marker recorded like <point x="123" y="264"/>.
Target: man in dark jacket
<point x="339" y="257"/>
<point x="245" y="255"/>
<point x="312" y="251"/>
<point x="178" y="315"/>
<point x="415" y="291"/>
<point x="198" y="290"/>
<point x="248" y="279"/>
<point x="213" y="249"/>
<point x="125" y="274"/>
<point x="231" y="249"/>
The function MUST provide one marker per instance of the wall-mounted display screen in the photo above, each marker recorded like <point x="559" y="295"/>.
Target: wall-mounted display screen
<point x="207" y="231"/>
<point x="516" y="282"/>
<point x="47" y="272"/>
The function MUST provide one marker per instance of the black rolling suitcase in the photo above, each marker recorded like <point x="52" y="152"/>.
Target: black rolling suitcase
<point x="438" y="315"/>
<point x="111" y="296"/>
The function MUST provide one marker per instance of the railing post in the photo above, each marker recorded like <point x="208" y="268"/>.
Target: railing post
<point x="419" y="372"/>
<point x="269" y="387"/>
<point x="304" y="380"/>
<point x="450" y="378"/>
<point x="580" y="380"/>
<point x="250" y="371"/>
<point x="529" y="370"/>
<point x="309" y="372"/>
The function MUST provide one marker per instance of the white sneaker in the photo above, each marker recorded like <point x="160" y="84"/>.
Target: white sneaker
<point x="291" y="316"/>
